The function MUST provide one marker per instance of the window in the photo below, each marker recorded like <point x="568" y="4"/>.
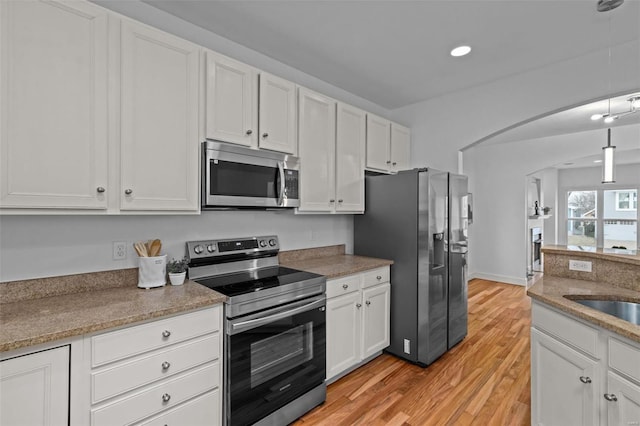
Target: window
<point x="626" y="200"/>
<point x="581" y="218"/>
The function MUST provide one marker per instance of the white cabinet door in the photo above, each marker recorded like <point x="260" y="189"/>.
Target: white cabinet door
<point x="53" y="103"/>
<point x="317" y="135"/>
<point x="343" y="333"/>
<point x="34" y="389"/>
<point x="231" y="101"/>
<point x="159" y="119"/>
<point x="350" y="146"/>
<point x="623" y="406"/>
<point x="378" y="140"/>
<point x="277" y="114"/>
<point x="559" y="394"/>
<point x="400" y="147"/>
<point x="376" y="302"/>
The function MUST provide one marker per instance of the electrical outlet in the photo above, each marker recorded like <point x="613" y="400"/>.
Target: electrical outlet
<point x="119" y="250"/>
<point x="580" y="265"/>
<point x="407" y="346"/>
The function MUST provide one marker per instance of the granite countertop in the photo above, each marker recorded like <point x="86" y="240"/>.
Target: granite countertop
<point x="631" y="257"/>
<point x="330" y="261"/>
<point x="551" y="290"/>
<point x="32" y="321"/>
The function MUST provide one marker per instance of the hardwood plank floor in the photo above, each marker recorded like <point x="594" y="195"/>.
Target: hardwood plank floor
<point x="484" y="380"/>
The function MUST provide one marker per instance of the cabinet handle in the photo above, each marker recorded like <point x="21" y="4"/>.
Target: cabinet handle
<point x="610" y="397"/>
<point x="265" y="135"/>
<point x="166" y="333"/>
<point x="332" y="201"/>
<point x="389" y="162"/>
<point x="166" y="365"/>
<point x="100" y="189"/>
<point x="345" y="286"/>
<point x="340" y="201"/>
<point x="128" y="191"/>
<point x="379" y="277"/>
<point x="394" y="163"/>
<point x="584" y="379"/>
<point x="368" y="302"/>
<point x="249" y="131"/>
<point x="166" y="397"/>
<point x="358" y="305"/>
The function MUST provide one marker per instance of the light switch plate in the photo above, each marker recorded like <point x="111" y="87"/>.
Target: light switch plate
<point x="580" y="265"/>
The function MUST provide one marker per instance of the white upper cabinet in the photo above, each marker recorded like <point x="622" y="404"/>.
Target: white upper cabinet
<point x="350" y="146"/>
<point x="317" y="136"/>
<point x="53" y="105"/>
<point x="159" y="120"/>
<point x="277" y="114"/>
<point x="231" y="101"/>
<point x="388" y="145"/>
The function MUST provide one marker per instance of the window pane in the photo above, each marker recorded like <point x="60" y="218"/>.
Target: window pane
<point x="581" y="233"/>
<point x="620" y="219"/>
<point x="581" y="204"/>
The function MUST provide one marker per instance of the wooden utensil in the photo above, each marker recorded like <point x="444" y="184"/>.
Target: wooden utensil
<point x="156" y="246"/>
<point x="141" y="249"/>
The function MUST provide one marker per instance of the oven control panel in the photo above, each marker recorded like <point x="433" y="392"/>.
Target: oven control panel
<point x="240" y="246"/>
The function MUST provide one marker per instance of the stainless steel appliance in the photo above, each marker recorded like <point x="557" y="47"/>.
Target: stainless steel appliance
<point x="236" y="177"/>
<point x="275" y="329"/>
<point x="419" y="219"/>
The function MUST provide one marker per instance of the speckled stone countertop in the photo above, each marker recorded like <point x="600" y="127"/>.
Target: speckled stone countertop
<point x="330" y="261"/>
<point x="552" y="291"/>
<point x="33" y="314"/>
<point x="631" y="257"/>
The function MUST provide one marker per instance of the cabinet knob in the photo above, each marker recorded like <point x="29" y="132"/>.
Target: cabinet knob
<point x="332" y="201"/>
<point x="265" y="135"/>
<point x="166" y="333"/>
<point x="128" y="191"/>
<point x="166" y="365"/>
<point x="379" y="277"/>
<point x="340" y="201"/>
<point x="584" y="379"/>
<point x="610" y="397"/>
<point x="368" y="302"/>
<point x="100" y="189"/>
<point x="389" y="162"/>
<point x="345" y="286"/>
<point x="394" y="163"/>
<point x="358" y="305"/>
<point x="166" y="397"/>
<point x="249" y="131"/>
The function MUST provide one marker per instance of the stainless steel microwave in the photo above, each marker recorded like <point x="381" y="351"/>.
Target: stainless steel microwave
<point x="235" y="176"/>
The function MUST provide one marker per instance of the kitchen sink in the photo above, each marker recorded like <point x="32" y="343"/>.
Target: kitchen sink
<point x="628" y="311"/>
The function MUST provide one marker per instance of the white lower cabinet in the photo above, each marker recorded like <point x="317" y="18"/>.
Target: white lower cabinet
<point x="163" y="372"/>
<point x="34" y="388"/>
<point x="358" y="312"/>
<point x="581" y="374"/>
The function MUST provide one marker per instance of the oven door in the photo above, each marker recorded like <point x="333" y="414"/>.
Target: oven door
<point x="240" y="177"/>
<point x="273" y="357"/>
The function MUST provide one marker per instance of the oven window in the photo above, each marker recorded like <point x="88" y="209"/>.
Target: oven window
<point x="277" y="354"/>
<point x="243" y="180"/>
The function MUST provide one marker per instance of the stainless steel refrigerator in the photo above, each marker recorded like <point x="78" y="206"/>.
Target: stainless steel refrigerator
<point x="419" y="219"/>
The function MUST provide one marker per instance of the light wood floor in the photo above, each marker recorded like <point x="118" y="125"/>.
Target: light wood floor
<point x="482" y="381"/>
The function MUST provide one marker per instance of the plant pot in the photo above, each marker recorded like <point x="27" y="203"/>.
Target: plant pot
<point x="177" y="278"/>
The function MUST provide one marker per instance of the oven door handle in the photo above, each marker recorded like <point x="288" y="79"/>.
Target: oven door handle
<point x="238" y="327"/>
<point x="282" y="183"/>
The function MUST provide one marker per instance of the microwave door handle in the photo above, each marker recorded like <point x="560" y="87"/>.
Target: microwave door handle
<point x="282" y="183"/>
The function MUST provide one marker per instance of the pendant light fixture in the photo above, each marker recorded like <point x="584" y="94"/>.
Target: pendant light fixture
<point x="608" y="152"/>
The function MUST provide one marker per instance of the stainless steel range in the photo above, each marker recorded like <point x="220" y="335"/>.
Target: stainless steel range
<point x="275" y="356"/>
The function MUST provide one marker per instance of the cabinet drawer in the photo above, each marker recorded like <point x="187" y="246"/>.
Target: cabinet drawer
<point x="568" y="329"/>
<point x="344" y="285"/>
<point x="375" y="276"/>
<point x="158" y="398"/>
<point x="624" y="358"/>
<point x="201" y="411"/>
<point x="130" y="375"/>
<point x="109" y="347"/>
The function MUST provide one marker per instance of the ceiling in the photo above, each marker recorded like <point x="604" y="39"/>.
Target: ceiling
<point x="395" y="53"/>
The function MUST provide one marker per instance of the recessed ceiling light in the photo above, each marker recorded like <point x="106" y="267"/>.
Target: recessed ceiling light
<point x="460" y="51"/>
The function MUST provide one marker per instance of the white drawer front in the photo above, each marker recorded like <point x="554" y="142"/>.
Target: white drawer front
<point x="375" y="276"/>
<point x="624" y="358"/>
<point x="130" y="375"/>
<point x="571" y="331"/>
<point x="343" y="285"/>
<point x="115" y="345"/>
<point x="158" y="398"/>
<point x="201" y="411"/>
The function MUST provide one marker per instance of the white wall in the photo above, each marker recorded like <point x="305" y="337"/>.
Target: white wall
<point x="498" y="176"/>
<point x="40" y="246"/>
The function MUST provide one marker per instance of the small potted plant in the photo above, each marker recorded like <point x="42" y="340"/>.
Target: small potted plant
<point x="177" y="270"/>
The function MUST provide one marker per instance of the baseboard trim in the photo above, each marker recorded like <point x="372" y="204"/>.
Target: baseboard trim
<point x="500" y="278"/>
